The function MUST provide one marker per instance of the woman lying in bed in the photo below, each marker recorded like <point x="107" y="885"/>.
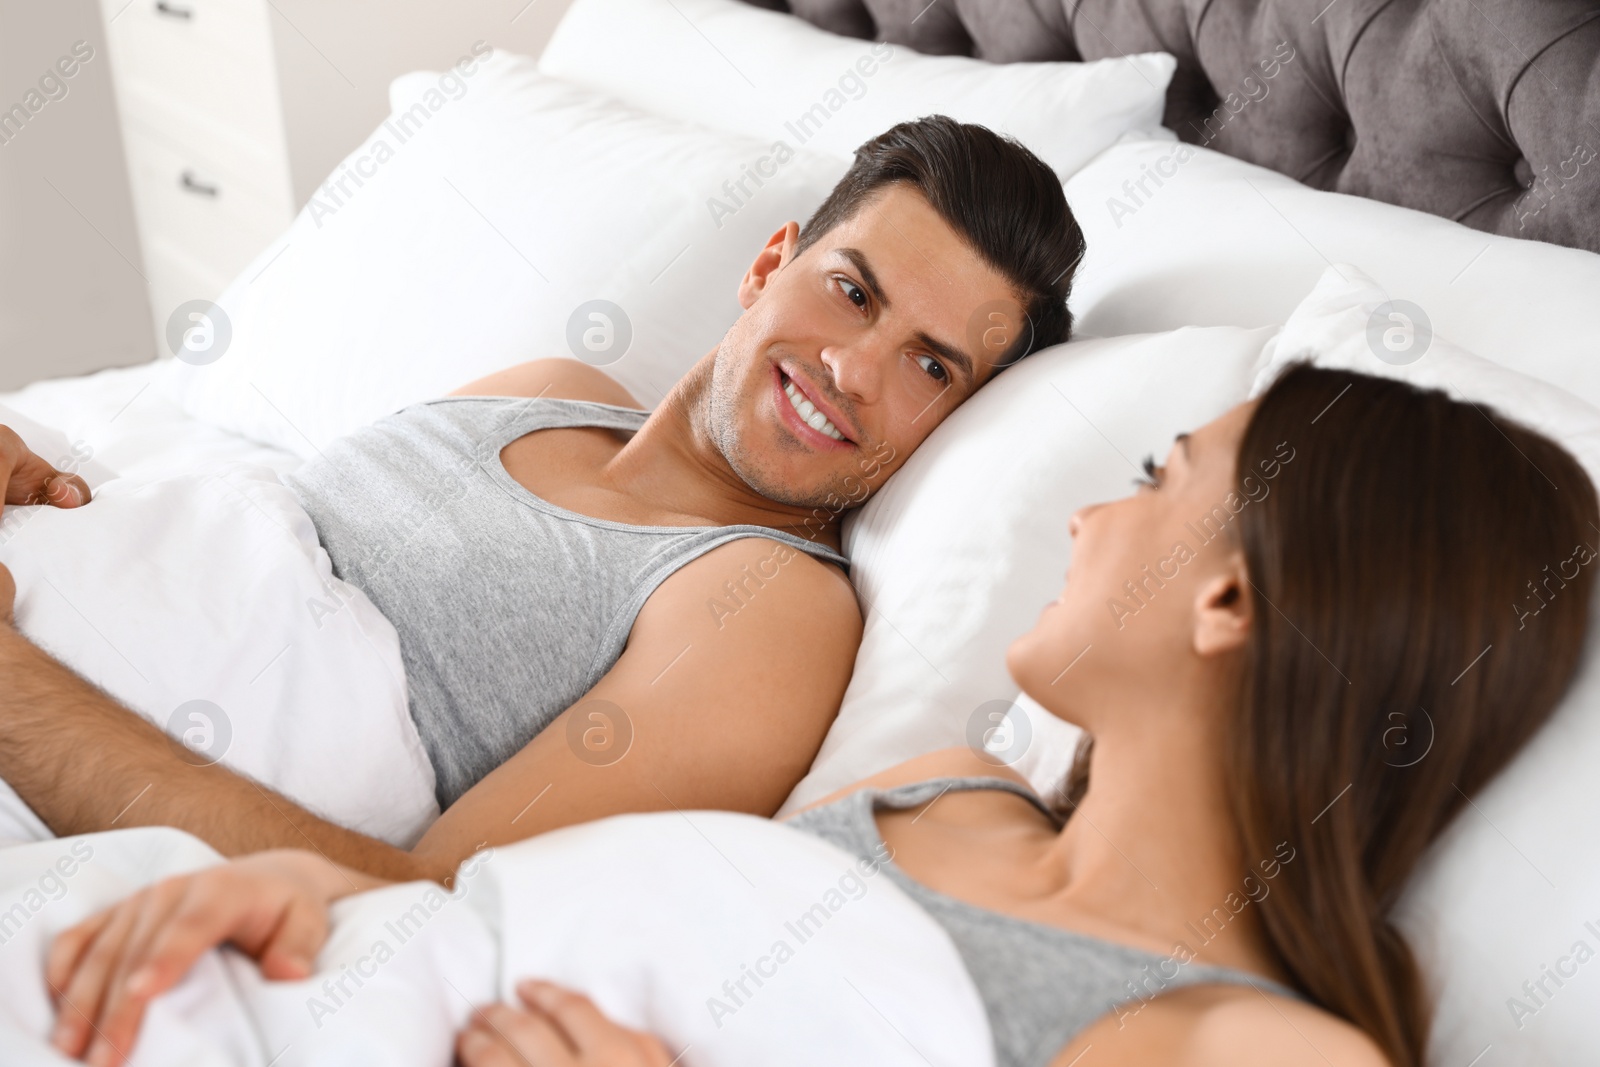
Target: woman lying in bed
<point x="1296" y="651"/>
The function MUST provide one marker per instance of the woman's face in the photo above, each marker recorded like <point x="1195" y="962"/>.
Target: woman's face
<point x="1149" y="580"/>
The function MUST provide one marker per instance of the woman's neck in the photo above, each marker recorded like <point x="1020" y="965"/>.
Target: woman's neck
<point x="1153" y="846"/>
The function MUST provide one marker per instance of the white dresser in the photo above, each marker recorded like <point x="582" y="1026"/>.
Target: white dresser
<point x="197" y="87"/>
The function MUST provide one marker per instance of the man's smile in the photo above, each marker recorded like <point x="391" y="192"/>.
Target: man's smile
<point x="809" y="420"/>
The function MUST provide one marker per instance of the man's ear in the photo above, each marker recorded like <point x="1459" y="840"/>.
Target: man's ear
<point x="779" y="251"/>
<point x="1223" y="610"/>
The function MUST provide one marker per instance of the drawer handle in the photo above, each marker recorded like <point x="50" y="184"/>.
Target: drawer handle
<point x="199" y="188"/>
<point x="174" y="12"/>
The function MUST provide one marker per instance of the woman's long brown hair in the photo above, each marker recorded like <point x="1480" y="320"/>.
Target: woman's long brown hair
<point x="1421" y="578"/>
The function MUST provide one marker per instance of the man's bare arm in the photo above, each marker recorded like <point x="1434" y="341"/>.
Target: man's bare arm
<point x="726" y="697"/>
<point x="84" y="763"/>
<point x="734" y="671"/>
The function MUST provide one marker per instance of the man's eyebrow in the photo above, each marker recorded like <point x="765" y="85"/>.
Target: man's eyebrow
<point x="859" y="259"/>
<point x="947" y="352"/>
<point x="1183" y="439"/>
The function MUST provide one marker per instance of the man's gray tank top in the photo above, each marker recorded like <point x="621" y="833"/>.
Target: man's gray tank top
<point x="1040" y="985"/>
<point x="509" y="609"/>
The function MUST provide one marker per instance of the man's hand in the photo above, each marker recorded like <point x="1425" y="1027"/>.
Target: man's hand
<point x="8" y="597"/>
<point x="555" y="1028"/>
<point x="30" y="480"/>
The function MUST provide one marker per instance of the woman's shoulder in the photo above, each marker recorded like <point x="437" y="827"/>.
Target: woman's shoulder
<point x="945" y="763"/>
<point x="1235" y="1026"/>
<point x="1255" y="1028"/>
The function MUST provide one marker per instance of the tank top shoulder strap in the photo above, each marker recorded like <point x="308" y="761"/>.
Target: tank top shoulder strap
<point x="914" y="793"/>
<point x="512" y="416"/>
<point x="911" y="794"/>
<point x="495" y="421"/>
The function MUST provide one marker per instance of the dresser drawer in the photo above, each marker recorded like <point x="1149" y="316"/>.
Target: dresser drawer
<point x="193" y="214"/>
<point x="175" y="279"/>
<point x="204" y="65"/>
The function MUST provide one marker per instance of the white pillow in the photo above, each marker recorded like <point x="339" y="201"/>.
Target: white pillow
<point x="467" y="233"/>
<point x="1350" y="323"/>
<point x="1509" y="889"/>
<point x="955" y="556"/>
<point x="738" y="68"/>
<point x="1211" y="240"/>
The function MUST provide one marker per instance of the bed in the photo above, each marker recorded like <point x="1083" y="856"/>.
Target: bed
<point x="1257" y="181"/>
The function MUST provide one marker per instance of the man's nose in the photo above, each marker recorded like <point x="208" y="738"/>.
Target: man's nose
<point x="1075" y="524"/>
<point x="856" y="371"/>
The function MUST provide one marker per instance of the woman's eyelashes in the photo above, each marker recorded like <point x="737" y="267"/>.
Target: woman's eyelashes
<point x="1152" y="474"/>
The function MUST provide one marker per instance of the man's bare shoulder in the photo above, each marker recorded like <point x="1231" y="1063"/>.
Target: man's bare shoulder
<point x="734" y="671"/>
<point x="768" y="585"/>
<point x="764" y="611"/>
<point x="562" y="379"/>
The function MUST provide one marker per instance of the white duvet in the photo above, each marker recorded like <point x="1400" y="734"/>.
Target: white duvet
<point x="204" y="601"/>
<point x="737" y="940"/>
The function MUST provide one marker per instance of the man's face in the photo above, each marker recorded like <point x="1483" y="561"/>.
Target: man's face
<point x="847" y="356"/>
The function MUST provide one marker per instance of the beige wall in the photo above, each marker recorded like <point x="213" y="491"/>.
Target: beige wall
<point x="72" y="298"/>
<point x="336" y="61"/>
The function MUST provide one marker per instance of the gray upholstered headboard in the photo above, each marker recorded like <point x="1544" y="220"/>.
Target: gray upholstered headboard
<point x="1483" y="111"/>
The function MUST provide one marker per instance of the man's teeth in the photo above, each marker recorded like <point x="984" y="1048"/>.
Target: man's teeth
<point x="808" y="412"/>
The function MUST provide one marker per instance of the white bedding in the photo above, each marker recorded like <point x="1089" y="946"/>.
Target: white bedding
<point x="192" y="581"/>
<point x="662" y="919"/>
<point x="1216" y="243"/>
<point x="132" y="425"/>
<point x="195" y="591"/>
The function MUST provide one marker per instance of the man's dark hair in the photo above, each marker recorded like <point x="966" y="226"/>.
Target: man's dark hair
<point x="996" y="194"/>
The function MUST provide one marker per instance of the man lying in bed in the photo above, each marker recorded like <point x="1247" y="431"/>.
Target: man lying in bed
<point x="672" y="576"/>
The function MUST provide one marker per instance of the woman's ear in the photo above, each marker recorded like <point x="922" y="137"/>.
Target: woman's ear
<point x="779" y="250"/>
<point x="1223" y="610"/>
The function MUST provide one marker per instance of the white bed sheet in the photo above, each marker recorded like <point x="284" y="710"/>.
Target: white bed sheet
<point x="132" y="426"/>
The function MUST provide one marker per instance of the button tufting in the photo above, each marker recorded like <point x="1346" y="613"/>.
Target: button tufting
<point x="1432" y="97"/>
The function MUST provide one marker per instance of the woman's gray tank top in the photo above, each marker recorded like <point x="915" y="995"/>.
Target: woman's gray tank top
<point x="1040" y="984"/>
<point x="509" y="609"/>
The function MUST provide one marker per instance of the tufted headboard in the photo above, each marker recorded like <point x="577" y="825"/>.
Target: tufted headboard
<point x="1483" y="111"/>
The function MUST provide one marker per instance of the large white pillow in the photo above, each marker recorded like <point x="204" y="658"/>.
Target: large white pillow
<point x="1513" y="886"/>
<point x="764" y="74"/>
<point x="1349" y="322"/>
<point x="470" y="231"/>
<point x="956" y="555"/>
<point x="1186" y="236"/>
